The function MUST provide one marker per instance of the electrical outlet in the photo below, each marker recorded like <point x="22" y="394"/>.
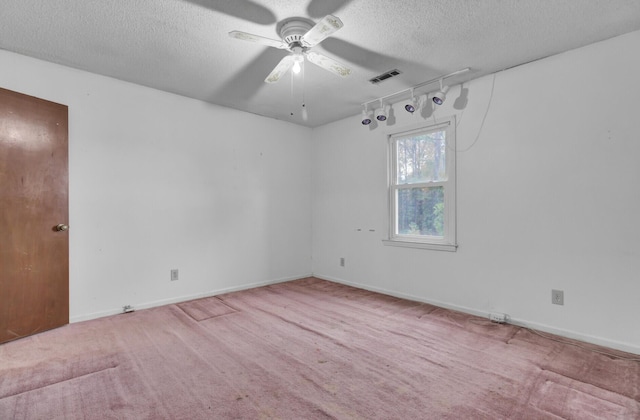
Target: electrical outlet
<point x="498" y="317"/>
<point x="174" y="274"/>
<point x="557" y="297"/>
<point x="341" y="261"/>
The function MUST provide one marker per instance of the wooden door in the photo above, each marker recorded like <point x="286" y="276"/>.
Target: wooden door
<point x="34" y="250"/>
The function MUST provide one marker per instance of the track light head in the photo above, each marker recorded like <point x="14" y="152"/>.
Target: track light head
<point x="366" y="117"/>
<point x="440" y="96"/>
<point x="412" y="105"/>
<point x="381" y="115"/>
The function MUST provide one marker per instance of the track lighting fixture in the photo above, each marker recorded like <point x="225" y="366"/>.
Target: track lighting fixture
<point x="366" y="116"/>
<point x="381" y="115"/>
<point x="440" y="96"/>
<point x="412" y="105"/>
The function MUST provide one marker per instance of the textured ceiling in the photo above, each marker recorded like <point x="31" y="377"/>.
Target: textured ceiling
<point x="182" y="46"/>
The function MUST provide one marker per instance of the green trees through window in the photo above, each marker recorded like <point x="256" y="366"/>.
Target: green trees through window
<point x="420" y="211"/>
<point x="422" y="188"/>
<point x="421" y="159"/>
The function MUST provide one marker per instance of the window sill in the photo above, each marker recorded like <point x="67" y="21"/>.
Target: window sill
<point x="420" y="245"/>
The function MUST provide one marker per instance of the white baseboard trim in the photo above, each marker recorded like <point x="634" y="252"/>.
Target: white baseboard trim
<point x="614" y="344"/>
<point x="170" y="301"/>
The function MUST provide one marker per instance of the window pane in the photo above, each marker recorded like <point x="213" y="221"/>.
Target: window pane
<point x="420" y="211"/>
<point x="421" y="158"/>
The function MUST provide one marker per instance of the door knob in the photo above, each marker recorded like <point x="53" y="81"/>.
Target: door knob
<point x="62" y="227"/>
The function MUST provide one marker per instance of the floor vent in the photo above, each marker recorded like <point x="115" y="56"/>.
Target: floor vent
<point x="384" y="76"/>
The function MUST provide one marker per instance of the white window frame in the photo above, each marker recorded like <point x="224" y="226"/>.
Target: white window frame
<point x="447" y="242"/>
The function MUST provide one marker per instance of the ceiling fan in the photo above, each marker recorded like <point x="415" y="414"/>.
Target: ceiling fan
<point x="299" y="36"/>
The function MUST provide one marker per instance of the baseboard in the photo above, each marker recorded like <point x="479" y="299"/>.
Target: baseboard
<point x="587" y="338"/>
<point x="184" y="298"/>
<point x="614" y="344"/>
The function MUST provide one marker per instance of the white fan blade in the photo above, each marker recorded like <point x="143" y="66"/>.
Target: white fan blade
<point x="283" y="66"/>
<point x="328" y="64"/>
<point x="323" y="29"/>
<point x="258" y="39"/>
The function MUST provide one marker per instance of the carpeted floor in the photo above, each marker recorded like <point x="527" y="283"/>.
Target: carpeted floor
<point x="309" y="349"/>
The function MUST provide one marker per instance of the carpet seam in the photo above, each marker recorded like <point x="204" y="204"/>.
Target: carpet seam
<point x="59" y="382"/>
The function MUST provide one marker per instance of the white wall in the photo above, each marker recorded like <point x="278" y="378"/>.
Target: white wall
<point x="159" y="181"/>
<point x="548" y="198"/>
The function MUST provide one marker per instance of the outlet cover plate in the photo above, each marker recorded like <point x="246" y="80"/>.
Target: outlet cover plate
<point x="557" y="297"/>
<point x="498" y="317"/>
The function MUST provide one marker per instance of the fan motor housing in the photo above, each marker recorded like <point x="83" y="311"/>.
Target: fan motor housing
<point x="293" y="29"/>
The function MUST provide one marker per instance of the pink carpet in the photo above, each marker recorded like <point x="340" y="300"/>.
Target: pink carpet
<point x="309" y="349"/>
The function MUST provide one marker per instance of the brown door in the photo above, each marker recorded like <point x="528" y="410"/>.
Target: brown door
<point x="34" y="250"/>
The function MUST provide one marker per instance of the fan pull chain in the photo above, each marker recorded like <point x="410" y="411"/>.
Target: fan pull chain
<point x="291" y="102"/>
<point x="305" y="115"/>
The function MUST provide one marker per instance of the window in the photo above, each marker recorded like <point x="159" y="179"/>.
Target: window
<point x="422" y="195"/>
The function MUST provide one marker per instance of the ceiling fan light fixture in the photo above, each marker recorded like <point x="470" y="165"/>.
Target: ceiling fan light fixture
<point x="299" y="35"/>
<point x="298" y="60"/>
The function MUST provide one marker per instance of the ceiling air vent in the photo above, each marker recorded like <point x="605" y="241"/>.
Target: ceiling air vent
<point x="385" y="76"/>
